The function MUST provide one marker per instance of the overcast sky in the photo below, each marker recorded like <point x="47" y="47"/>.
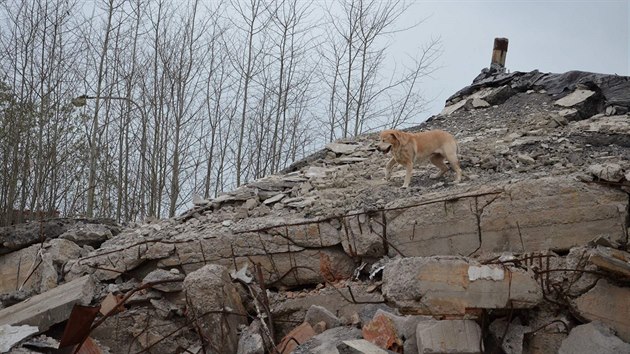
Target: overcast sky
<point x="551" y="36"/>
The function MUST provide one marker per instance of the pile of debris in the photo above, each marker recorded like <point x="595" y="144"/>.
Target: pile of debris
<point x="529" y="254"/>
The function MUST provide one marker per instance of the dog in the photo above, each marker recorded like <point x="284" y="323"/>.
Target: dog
<point x="410" y="148"/>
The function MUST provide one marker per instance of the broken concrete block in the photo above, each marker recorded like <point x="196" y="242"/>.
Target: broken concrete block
<point x="173" y="280"/>
<point x="300" y="334"/>
<point x="551" y="213"/>
<point x="109" y="303"/>
<point x="340" y="148"/>
<point x="137" y="328"/>
<point x="574" y="98"/>
<point x="358" y="237"/>
<point x="449" y="336"/>
<point x="450" y="109"/>
<point x="293" y="310"/>
<point x="12" y="335"/>
<point x="607" y="171"/>
<point x="577" y="282"/>
<point x="328" y="341"/>
<point x="609" y="304"/>
<point x="215" y="302"/>
<point x="498" y="95"/>
<point x="452" y="285"/>
<point x="250" y="341"/>
<point x="88" y="234"/>
<point x="527" y="216"/>
<point x="382" y="332"/>
<point x="62" y="250"/>
<point x="51" y="307"/>
<point x="512" y="339"/>
<point x="480" y="103"/>
<point x="316" y="314"/>
<point x="543" y="342"/>
<point x="16" y="269"/>
<point x="445" y="229"/>
<point x="406" y="328"/>
<point x="359" y="346"/>
<point x="593" y="337"/>
<point x="612" y="260"/>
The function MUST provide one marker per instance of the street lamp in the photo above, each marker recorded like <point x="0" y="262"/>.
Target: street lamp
<point x="81" y="101"/>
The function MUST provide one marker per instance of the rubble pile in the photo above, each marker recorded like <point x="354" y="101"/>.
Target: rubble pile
<point x="529" y="254"/>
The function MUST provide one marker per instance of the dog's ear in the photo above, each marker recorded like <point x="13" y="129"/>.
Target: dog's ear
<point x="389" y="135"/>
<point x="399" y="136"/>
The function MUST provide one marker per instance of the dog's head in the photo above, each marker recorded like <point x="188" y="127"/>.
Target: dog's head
<point x="389" y="139"/>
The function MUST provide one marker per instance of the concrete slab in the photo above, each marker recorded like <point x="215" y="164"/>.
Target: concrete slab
<point x="609" y="304"/>
<point x="593" y="337"/>
<point x="449" y="336"/>
<point x="359" y="346"/>
<point x="51" y="307"/>
<point x="449" y="285"/>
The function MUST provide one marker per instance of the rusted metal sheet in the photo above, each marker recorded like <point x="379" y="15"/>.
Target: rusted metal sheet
<point x="79" y="325"/>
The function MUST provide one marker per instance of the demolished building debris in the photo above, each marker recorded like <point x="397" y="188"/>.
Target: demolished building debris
<point x="528" y="254"/>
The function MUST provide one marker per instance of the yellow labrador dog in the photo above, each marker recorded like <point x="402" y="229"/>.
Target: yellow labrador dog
<point x="410" y="148"/>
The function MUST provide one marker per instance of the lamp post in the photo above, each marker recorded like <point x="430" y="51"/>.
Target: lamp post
<point x="81" y="101"/>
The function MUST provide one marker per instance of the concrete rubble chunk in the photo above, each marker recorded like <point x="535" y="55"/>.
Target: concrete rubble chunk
<point x="612" y="260"/>
<point x="619" y="124"/>
<point x="293" y="310"/>
<point x="607" y="171"/>
<point x="12" y="335"/>
<point x="327" y="342"/>
<point x="543" y="342"/>
<point x="452" y="285"/>
<point x="274" y="199"/>
<point x="609" y="304"/>
<point x="15" y="237"/>
<point x="574" y="98"/>
<point x="382" y="332"/>
<point x="51" y="307"/>
<point x="319" y="172"/>
<point x="450" y="109"/>
<point x="406" y="328"/>
<point x="498" y="95"/>
<point x="480" y="103"/>
<point x="88" y="234"/>
<point x="512" y="343"/>
<point x="250" y="341"/>
<point x="555" y="213"/>
<point x="173" y="280"/>
<point x="316" y="314"/>
<point x="61" y="251"/>
<point x="340" y="148"/>
<point x="359" y="346"/>
<point x="526" y="216"/>
<point x="16" y="269"/>
<point x="216" y="303"/>
<point x="449" y="336"/>
<point x="593" y="337"/>
<point x="297" y="336"/>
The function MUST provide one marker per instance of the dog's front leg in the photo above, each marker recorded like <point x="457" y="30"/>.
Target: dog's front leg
<point x="388" y="168"/>
<point x="409" y="168"/>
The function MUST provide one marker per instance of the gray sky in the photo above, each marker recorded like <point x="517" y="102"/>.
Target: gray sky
<point x="551" y="36"/>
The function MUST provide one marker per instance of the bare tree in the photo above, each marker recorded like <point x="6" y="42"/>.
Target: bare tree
<point x="189" y="97"/>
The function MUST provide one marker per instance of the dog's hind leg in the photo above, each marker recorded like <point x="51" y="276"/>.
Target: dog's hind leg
<point x="455" y="165"/>
<point x="438" y="160"/>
